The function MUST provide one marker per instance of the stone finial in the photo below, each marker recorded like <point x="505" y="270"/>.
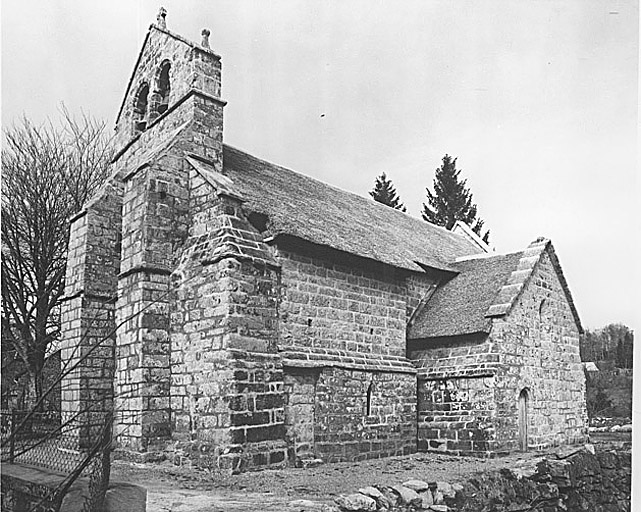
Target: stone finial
<point x="205" y="42"/>
<point x="160" y="19"/>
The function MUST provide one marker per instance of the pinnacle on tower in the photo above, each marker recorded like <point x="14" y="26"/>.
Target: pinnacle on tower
<point x="160" y="18"/>
<point x="205" y="42"/>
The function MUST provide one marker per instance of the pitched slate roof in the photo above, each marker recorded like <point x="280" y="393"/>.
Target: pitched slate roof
<point x="459" y="306"/>
<point x="300" y="206"/>
<point x="486" y="287"/>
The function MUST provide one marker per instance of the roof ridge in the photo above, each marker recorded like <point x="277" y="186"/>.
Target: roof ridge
<point x="485" y="256"/>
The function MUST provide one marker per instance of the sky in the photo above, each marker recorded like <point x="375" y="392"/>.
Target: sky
<point x="537" y="99"/>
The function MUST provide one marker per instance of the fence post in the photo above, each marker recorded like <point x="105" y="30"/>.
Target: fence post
<point x="12" y="443"/>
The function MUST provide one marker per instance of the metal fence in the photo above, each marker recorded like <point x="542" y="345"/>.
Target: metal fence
<point x="63" y="442"/>
<point x="44" y="439"/>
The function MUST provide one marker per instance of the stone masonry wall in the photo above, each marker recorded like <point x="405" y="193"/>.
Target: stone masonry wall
<point x="87" y="315"/>
<point x="227" y="388"/>
<point x="581" y="481"/>
<point x="344" y="428"/>
<point x="201" y="377"/>
<point x="300" y="403"/>
<point x="332" y="305"/>
<point x="456" y="395"/>
<point x="227" y="379"/>
<point x="539" y="346"/>
<point x="469" y="356"/>
<point x="457" y="415"/>
<point x="578" y="480"/>
<point x="155" y="221"/>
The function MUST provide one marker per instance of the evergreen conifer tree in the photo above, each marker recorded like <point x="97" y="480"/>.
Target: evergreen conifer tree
<point x="384" y="192"/>
<point x="451" y="200"/>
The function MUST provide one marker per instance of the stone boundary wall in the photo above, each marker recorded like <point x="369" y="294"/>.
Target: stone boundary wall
<point x="574" y="481"/>
<point x="24" y="488"/>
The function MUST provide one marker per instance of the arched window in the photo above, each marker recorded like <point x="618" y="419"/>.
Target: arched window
<point x="140" y="108"/>
<point x="524" y="399"/>
<point x="543" y="306"/>
<point x="368" y="406"/>
<point x="163" y="88"/>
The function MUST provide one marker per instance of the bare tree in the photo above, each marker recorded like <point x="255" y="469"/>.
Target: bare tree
<point x="48" y="172"/>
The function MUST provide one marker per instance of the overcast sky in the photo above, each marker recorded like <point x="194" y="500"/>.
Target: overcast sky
<point x="537" y="99"/>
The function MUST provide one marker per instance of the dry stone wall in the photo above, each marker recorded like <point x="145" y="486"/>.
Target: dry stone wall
<point x="576" y="481"/>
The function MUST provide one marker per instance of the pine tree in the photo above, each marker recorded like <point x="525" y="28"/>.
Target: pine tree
<point x="384" y="192"/>
<point x="451" y="200"/>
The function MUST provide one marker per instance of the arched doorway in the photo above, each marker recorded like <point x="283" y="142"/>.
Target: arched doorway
<point x="523" y="422"/>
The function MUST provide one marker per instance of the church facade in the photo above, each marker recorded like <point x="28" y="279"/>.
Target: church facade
<point x="237" y="314"/>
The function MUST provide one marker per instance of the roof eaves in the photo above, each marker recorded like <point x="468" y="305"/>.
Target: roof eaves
<point x="443" y="267"/>
<point x="275" y="237"/>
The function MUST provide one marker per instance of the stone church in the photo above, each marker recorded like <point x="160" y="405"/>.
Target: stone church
<point x="239" y="314"/>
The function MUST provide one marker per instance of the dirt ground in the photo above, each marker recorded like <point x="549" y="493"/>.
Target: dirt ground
<point x="182" y="489"/>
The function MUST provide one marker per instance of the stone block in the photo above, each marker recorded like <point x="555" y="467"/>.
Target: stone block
<point x="355" y="503"/>
<point x="122" y="496"/>
<point x="416" y="485"/>
<point x="407" y="496"/>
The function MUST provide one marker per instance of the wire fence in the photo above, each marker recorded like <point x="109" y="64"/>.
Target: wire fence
<point x="43" y="439"/>
<point x="75" y="445"/>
